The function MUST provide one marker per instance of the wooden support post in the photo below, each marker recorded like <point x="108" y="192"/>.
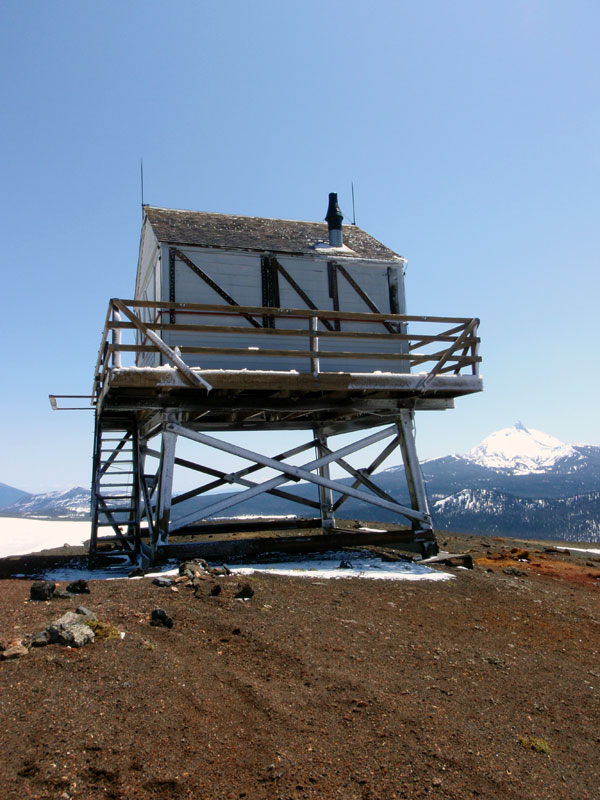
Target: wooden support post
<point x="96" y="463"/>
<point x="160" y="533"/>
<point x="136" y="493"/>
<point x="412" y="469"/>
<point x="325" y="493"/>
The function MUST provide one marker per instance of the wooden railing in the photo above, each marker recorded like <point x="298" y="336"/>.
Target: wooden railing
<point x="444" y="345"/>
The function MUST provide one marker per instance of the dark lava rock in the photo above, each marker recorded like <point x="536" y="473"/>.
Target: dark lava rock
<point x="42" y="590"/>
<point x="160" y="619"/>
<point x="40" y="639"/>
<point x="216" y="590"/>
<point x="61" y="594"/>
<point x="345" y="565"/>
<point x="519" y="573"/>
<point x="78" y="587"/>
<point x="245" y="592"/>
<point x="160" y="581"/>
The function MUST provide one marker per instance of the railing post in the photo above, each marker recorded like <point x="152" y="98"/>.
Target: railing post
<point x="475" y="352"/>
<point x="116" y="339"/>
<point x="314" y="346"/>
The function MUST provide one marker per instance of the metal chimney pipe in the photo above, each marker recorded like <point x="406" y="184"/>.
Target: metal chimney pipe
<point x="334" y="221"/>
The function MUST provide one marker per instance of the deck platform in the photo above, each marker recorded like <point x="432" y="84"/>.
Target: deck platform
<point x="332" y="384"/>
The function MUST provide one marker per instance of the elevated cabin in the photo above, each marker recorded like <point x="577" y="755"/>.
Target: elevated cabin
<point x="252" y="324"/>
<point x="197" y="257"/>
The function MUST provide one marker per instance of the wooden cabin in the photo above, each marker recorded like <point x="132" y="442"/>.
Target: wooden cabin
<point x="198" y="257"/>
<point x="253" y="324"/>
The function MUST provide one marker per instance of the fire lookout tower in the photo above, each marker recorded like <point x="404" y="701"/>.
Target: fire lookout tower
<point x="244" y="324"/>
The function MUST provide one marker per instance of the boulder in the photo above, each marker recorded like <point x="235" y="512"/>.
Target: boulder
<point x="71" y="630"/>
<point x="160" y="619"/>
<point x="245" y="592"/>
<point x="42" y="590"/>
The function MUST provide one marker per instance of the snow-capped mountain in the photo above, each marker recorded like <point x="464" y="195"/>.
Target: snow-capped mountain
<point x="520" y="450"/>
<point x="63" y="504"/>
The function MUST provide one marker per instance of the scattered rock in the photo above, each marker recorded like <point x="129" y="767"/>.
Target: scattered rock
<point x="160" y="619"/>
<point x="194" y="569"/>
<point x="40" y="639"/>
<point x="220" y="570"/>
<point x="245" y="592"/>
<point x="61" y="594"/>
<point x="215" y="590"/>
<point x="85" y="612"/>
<point x="42" y="590"/>
<point x="78" y="587"/>
<point x="71" y="630"/>
<point x="345" y="565"/>
<point x="161" y="581"/>
<point x="519" y="573"/>
<point x="136" y="572"/>
<point x="15" y="649"/>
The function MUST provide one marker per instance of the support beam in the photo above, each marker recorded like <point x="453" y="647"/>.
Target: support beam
<point x="165" y="489"/>
<point x="289" y="473"/>
<point x="325" y="493"/>
<point x="375" y="464"/>
<point x="412" y="469"/>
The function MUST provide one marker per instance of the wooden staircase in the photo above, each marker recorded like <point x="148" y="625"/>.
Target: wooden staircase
<point x="115" y="508"/>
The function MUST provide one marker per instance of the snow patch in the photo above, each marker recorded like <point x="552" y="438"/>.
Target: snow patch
<point x="20" y="536"/>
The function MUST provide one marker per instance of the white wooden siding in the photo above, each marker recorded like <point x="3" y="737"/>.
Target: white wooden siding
<point x="239" y="274"/>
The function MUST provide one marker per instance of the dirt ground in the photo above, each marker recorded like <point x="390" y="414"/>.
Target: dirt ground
<point x="484" y="686"/>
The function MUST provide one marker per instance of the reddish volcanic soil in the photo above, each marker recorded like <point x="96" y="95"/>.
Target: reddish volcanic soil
<point x="485" y="686"/>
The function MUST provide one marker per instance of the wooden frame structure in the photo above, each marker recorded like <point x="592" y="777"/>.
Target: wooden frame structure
<point x="132" y="504"/>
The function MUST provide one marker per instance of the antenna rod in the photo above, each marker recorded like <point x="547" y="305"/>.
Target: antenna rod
<point x="353" y="210"/>
<point x="142" y="179"/>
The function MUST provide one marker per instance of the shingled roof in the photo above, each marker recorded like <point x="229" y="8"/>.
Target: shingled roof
<point x="203" y="229"/>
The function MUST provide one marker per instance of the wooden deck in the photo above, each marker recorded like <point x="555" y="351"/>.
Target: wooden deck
<point x="430" y="361"/>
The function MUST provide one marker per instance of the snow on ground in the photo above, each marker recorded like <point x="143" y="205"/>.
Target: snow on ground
<point x="578" y="550"/>
<point x="327" y="568"/>
<point x="339" y="564"/>
<point x="19" y="536"/>
<point x="22" y="536"/>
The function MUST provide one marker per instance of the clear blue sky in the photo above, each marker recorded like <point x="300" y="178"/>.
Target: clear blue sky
<point x="471" y="131"/>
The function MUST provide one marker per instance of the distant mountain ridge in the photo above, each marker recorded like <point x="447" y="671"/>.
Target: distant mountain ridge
<point x="517" y="481"/>
<point x="9" y="494"/>
<point x="62" y="504"/>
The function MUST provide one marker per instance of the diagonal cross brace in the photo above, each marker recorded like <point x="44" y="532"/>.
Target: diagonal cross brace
<point x="289" y="471"/>
<point x="189" y="375"/>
